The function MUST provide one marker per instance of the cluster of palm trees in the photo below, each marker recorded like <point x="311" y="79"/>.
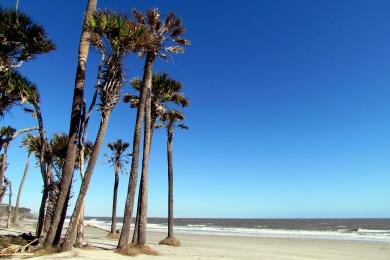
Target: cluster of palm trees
<point x="115" y="36"/>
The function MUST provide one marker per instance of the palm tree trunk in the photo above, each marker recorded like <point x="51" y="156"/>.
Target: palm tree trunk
<point x="2" y="172"/>
<point x="124" y="237"/>
<point x="57" y="237"/>
<point x="41" y="216"/>
<point x="9" y="204"/>
<point x="136" y="224"/>
<point x="80" y="225"/>
<point x="114" y="200"/>
<point x="71" y="232"/>
<point x="42" y="162"/>
<point x="143" y="217"/>
<point x="80" y="239"/>
<point x="47" y="219"/>
<point x="16" y="213"/>
<point x="77" y="103"/>
<point x="170" y="184"/>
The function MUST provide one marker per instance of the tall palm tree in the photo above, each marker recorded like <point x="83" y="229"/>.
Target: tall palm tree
<point x="164" y="91"/>
<point x="118" y="159"/>
<point x="116" y="36"/>
<point x="169" y="121"/>
<point x="26" y="143"/>
<point x="77" y="103"/>
<point x="165" y="32"/>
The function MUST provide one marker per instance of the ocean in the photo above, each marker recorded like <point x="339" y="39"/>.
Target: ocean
<point x="367" y="230"/>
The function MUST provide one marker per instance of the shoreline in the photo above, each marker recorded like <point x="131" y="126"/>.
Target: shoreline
<point x="229" y="247"/>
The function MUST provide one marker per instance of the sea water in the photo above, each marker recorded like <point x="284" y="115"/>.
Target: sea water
<point x="367" y="230"/>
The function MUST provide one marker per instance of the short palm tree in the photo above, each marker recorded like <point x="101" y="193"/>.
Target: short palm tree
<point x="6" y="134"/>
<point x="118" y="159"/>
<point x="164" y="33"/>
<point x="170" y="121"/>
<point x="115" y="36"/>
<point x="26" y="142"/>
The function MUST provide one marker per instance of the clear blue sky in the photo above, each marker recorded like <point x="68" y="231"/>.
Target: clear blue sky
<point x="289" y="116"/>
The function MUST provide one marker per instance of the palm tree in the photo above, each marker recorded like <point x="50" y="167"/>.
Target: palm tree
<point x="117" y="160"/>
<point x="8" y="184"/>
<point x="33" y="98"/>
<point x="7" y="134"/>
<point x="14" y="90"/>
<point x="164" y="91"/>
<point x="21" y="39"/>
<point x="26" y="143"/>
<point x="169" y="121"/>
<point x="163" y="32"/>
<point x="116" y="36"/>
<point x="85" y="150"/>
<point x="77" y="103"/>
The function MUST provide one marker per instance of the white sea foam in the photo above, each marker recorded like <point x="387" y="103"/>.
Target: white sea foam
<point x="366" y="235"/>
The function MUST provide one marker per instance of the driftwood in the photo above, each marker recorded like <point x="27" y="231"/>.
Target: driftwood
<point x="17" y="250"/>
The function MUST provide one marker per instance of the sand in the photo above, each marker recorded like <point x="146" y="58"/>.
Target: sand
<point x="229" y="247"/>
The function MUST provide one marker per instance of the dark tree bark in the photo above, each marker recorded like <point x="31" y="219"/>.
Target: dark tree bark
<point x="47" y="220"/>
<point x="71" y="232"/>
<point x="114" y="200"/>
<point x="170" y="184"/>
<point x="9" y="204"/>
<point x="124" y="237"/>
<point x="42" y="163"/>
<point x="2" y="172"/>
<point x="16" y="213"/>
<point x="78" y="97"/>
<point x="57" y="237"/>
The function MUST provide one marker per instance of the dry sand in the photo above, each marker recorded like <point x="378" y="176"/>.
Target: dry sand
<point x="228" y="247"/>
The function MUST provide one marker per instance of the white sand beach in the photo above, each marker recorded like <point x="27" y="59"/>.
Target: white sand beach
<point x="230" y="247"/>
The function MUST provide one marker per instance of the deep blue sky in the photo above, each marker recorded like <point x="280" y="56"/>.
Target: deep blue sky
<point x="289" y="116"/>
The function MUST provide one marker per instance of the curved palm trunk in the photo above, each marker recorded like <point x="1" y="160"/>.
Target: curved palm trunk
<point x="16" y="213"/>
<point x="77" y="103"/>
<point x="170" y="184"/>
<point x="114" y="200"/>
<point x="71" y="232"/>
<point x="42" y="163"/>
<point x="124" y="237"/>
<point x="2" y="172"/>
